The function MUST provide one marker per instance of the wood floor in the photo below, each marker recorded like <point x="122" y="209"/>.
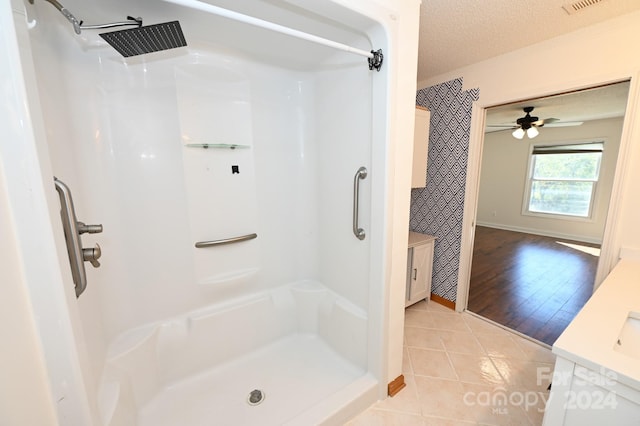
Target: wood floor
<point x="529" y="283"/>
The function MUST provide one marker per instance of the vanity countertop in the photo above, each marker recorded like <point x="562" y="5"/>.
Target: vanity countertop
<point x="591" y="337"/>
<point x="416" y="238"/>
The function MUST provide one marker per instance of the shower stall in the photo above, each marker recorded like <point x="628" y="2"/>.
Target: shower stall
<point x="239" y="185"/>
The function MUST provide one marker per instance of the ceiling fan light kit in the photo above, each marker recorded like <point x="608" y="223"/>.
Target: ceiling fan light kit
<point x="518" y="133"/>
<point x="528" y="124"/>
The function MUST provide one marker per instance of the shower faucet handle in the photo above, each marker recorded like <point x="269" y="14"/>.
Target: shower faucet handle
<point x="92" y="255"/>
<point x="91" y="229"/>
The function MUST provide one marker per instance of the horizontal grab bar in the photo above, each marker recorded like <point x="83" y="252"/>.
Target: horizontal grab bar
<point x="203" y="244"/>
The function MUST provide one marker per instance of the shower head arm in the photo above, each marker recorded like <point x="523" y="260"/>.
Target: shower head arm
<point x="65" y="12"/>
<point x="78" y="25"/>
<point x="131" y="22"/>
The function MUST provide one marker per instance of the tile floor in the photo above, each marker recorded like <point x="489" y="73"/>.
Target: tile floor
<point x="462" y="370"/>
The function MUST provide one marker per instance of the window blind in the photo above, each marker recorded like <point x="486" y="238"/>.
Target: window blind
<point x="579" y="148"/>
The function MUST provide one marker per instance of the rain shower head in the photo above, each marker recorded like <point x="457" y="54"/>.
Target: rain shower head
<point x="146" y="39"/>
<point x="131" y="42"/>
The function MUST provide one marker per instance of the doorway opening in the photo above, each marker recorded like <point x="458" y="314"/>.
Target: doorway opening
<point x="542" y="207"/>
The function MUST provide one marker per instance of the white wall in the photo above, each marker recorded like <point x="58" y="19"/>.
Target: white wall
<point x="25" y="398"/>
<point x="504" y="174"/>
<point x="598" y="54"/>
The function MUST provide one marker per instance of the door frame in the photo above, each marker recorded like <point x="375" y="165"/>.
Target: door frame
<point x="610" y="247"/>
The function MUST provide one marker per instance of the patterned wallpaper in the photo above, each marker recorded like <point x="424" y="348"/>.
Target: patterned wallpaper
<point x="438" y="208"/>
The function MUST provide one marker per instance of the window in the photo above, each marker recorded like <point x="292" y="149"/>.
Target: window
<point x="563" y="178"/>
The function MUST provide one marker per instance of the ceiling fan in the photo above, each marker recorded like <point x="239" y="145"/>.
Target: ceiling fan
<point x="529" y="124"/>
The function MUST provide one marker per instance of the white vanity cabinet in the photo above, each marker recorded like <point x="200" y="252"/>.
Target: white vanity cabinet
<point x="419" y="267"/>
<point x="582" y="396"/>
<point x="596" y="380"/>
<point x="420" y="148"/>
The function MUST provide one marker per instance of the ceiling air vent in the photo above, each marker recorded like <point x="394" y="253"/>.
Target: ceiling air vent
<point x="580" y="5"/>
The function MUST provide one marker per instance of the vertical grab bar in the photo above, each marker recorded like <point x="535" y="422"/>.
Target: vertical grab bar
<point x="360" y="174"/>
<point x="71" y="234"/>
<point x="72" y="231"/>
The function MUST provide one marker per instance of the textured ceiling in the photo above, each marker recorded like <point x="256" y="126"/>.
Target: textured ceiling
<point x="455" y="33"/>
<point x="584" y="105"/>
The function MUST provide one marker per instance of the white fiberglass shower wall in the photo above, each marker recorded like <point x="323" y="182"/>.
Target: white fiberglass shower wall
<point x="174" y="334"/>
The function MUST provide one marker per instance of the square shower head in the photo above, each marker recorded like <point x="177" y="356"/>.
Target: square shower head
<point x="147" y="39"/>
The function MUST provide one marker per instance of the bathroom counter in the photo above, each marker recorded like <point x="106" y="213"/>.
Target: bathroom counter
<point x="591" y="337"/>
<point x="416" y="239"/>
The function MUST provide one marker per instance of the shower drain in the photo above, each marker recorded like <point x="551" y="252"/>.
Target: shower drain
<point x="255" y="397"/>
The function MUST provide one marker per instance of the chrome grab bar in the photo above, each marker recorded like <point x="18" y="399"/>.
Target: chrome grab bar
<point x="203" y="244"/>
<point x="72" y="231"/>
<point x="360" y="174"/>
<point x="72" y="236"/>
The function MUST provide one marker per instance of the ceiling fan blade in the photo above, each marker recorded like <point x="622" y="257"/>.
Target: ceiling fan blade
<point x="496" y="130"/>
<point x="564" y="124"/>
<point x="510" y="126"/>
<point x="544" y="121"/>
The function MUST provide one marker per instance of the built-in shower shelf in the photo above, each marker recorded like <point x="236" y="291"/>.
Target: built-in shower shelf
<point x="217" y="145"/>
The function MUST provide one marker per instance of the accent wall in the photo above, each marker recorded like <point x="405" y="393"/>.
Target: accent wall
<point x="438" y="208"/>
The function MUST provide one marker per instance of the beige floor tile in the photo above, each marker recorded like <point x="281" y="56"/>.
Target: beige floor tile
<point x="377" y="417"/>
<point x="436" y="307"/>
<point x="443" y="399"/>
<point x="418" y="318"/>
<point x="536" y="352"/>
<point x="421" y="305"/>
<point x="448" y="321"/>
<point x="460" y="370"/>
<point x="423" y="338"/>
<point x="503" y="346"/>
<point x="535" y="406"/>
<point x="427" y="362"/>
<point x="437" y="421"/>
<point x="522" y="374"/>
<point x="460" y="342"/>
<point x="478" y="325"/>
<point x="405" y="401"/>
<point x="512" y="416"/>
<point x="407" y="368"/>
<point x="473" y="368"/>
<point x="496" y="405"/>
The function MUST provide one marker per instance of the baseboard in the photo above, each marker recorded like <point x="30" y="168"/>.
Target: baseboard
<point x="442" y="301"/>
<point x="579" y="238"/>
<point x="396" y="385"/>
